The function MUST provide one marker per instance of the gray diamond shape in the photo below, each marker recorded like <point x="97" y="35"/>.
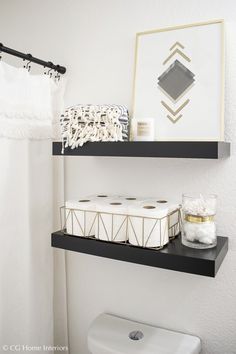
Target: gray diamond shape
<point x="176" y="80"/>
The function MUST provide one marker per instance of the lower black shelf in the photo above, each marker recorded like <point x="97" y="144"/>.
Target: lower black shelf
<point x="175" y="256"/>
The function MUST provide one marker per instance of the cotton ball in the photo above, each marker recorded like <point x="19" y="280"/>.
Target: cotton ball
<point x="200" y="232"/>
<point x="207" y="240"/>
<point x="207" y="233"/>
<point x="190" y="232"/>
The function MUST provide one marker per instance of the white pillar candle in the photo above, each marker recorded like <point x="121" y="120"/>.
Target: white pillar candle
<point x="143" y="129"/>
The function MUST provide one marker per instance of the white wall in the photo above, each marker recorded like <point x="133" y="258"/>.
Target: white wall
<point x="95" y="40"/>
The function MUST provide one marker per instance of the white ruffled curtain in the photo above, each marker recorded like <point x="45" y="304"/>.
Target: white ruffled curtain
<point x="29" y="105"/>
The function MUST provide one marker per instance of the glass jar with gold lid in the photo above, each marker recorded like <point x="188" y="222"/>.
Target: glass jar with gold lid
<point x="199" y="228"/>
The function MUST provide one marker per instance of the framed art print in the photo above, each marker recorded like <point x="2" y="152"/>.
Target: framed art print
<point x="179" y="81"/>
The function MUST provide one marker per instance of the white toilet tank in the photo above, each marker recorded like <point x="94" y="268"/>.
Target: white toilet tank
<point x="113" y="335"/>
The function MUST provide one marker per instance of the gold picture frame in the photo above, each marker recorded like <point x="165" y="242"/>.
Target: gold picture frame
<point x="140" y="35"/>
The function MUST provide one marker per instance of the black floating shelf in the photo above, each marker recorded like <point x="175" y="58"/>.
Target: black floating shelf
<point x="171" y="149"/>
<point x="175" y="256"/>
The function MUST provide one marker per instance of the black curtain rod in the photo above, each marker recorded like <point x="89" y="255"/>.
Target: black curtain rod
<point x="29" y="57"/>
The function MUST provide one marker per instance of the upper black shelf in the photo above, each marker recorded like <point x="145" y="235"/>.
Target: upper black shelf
<point x="174" y="256"/>
<point x="166" y="149"/>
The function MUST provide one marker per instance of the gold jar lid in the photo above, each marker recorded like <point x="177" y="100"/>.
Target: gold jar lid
<point x="198" y="218"/>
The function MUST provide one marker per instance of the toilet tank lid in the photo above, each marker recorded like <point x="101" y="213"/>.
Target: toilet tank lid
<point x="110" y="334"/>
